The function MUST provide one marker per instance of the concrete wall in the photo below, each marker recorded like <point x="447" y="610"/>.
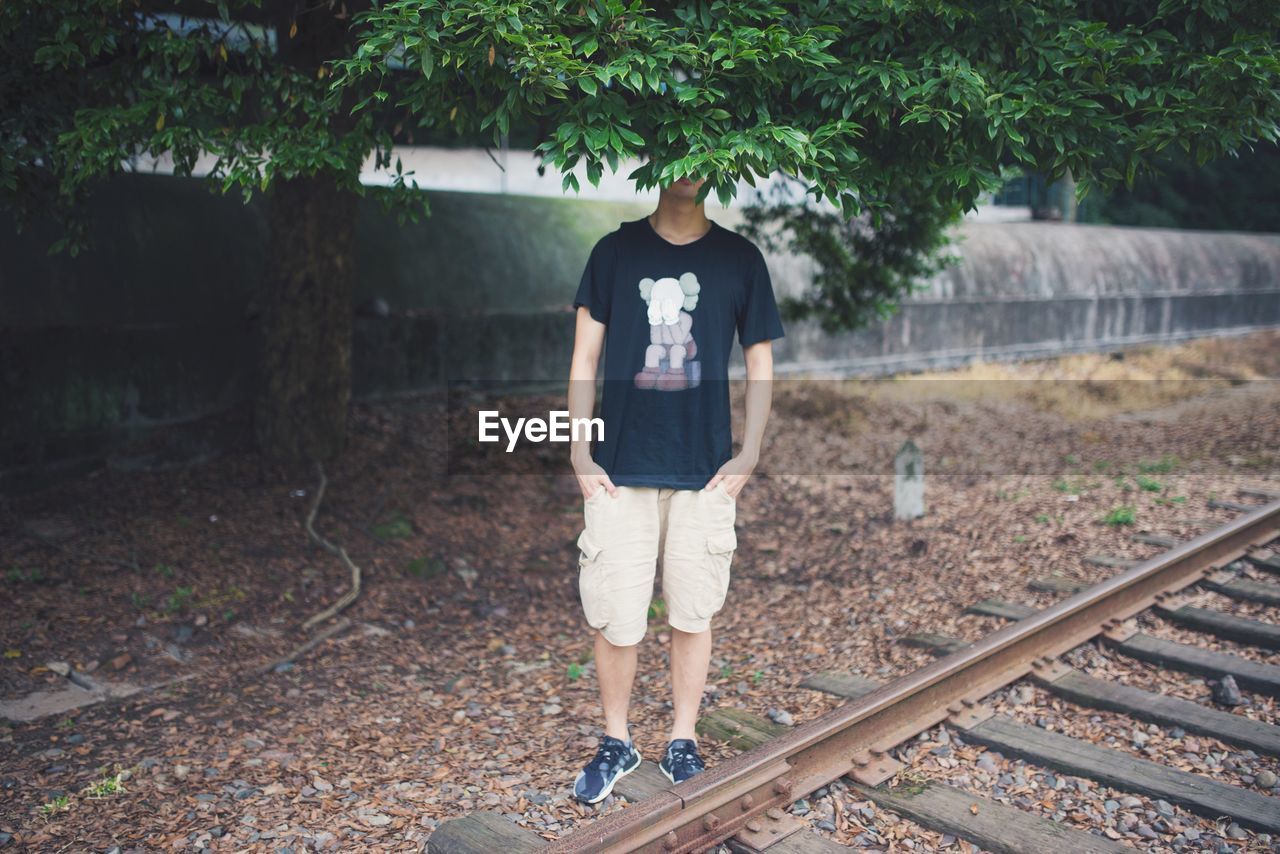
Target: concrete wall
<point x="149" y="328"/>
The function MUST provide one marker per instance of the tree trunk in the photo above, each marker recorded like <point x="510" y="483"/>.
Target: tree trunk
<point x="304" y="338"/>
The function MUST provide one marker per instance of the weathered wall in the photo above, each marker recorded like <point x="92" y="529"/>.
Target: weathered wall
<point x="152" y="326"/>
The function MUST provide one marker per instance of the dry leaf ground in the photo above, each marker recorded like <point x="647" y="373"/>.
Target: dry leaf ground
<point x="466" y="680"/>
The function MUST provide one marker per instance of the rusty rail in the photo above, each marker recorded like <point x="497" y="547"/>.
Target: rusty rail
<point x="856" y="737"/>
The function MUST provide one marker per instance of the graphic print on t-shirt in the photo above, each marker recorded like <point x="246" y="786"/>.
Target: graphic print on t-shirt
<point x="669" y="363"/>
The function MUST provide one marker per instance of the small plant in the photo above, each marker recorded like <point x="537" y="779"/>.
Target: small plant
<point x="163" y="569"/>
<point x="911" y="782"/>
<point x="1164" y="466"/>
<point x="15" y="575"/>
<point x="574" y="672"/>
<point x="1171" y="499"/>
<point x="105" y="787"/>
<point x="1101" y="465"/>
<point x="756" y="676"/>
<point x="58" y="804"/>
<point x="1062" y="485"/>
<point x="1123" y="515"/>
<point x="1020" y="538"/>
<point x="1148" y="484"/>
<point x="66" y="723"/>
<point x="726" y="672"/>
<point x="394" y="528"/>
<point x="1042" y="518"/>
<point x="140" y="600"/>
<point x="427" y="566"/>
<point x="178" y="599"/>
<point x="657" y="608"/>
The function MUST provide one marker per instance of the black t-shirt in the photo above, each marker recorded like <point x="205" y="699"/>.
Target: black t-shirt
<point x="671" y="312"/>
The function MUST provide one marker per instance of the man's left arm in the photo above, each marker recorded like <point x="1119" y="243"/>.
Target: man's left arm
<point x="737" y="471"/>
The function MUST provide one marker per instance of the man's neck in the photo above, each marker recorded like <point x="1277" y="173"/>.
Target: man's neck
<point x="679" y="220"/>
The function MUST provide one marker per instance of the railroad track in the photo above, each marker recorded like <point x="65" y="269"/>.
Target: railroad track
<point x="743" y="801"/>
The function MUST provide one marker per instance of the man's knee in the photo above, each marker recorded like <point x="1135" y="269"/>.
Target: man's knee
<point x="622" y="635"/>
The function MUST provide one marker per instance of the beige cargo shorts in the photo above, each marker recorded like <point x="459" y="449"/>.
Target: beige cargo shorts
<point x="690" y="530"/>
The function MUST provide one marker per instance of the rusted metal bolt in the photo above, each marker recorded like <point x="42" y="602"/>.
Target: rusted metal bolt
<point x="782" y="787"/>
<point x="746" y="802"/>
<point x="775" y="813"/>
<point x="671" y="842"/>
<point x="968" y="703"/>
<point x="877" y="751"/>
<point x="861" y="761"/>
<point x="711" y="822"/>
<point x="954" y="708"/>
<point x="753" y="826"/>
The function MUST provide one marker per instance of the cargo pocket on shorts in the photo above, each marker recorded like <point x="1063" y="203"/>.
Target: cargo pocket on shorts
<point x="591" y="582"/>
<point x="720" y="548"/>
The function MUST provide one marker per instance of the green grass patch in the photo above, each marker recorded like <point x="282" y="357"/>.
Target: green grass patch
<point x="1123" y="515"/>
<point x="427" y="566"/>
<point x="396" y="527"/>
<point x="1166" y="464"/>
<point x="1148" y="484"/>
<point x="178" y="600"/>
<point x="17" y="575"/>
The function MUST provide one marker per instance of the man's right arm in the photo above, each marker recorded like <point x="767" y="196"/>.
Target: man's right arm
<point x="588" y="344"/>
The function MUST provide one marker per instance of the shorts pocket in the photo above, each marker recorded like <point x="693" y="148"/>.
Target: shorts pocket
<point x="720" y="548"/>
<point x="591" y="581"/>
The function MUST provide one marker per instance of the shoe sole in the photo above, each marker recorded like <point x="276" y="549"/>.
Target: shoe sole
<point x="609" y="788"/>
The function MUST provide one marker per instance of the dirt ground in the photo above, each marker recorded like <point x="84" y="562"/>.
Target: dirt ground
<point x="465" y="678"/>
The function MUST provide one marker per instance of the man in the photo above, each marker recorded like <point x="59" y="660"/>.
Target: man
<point x="662" y="296"/>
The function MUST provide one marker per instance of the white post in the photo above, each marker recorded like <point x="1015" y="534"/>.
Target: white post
<point x="908" y="482"/>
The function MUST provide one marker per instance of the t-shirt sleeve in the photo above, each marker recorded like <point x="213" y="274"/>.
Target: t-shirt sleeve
<point x="758" y="318"/>
<point x="595" y="288"/>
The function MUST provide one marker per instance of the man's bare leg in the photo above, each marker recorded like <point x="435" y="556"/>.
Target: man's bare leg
<point x="616" y="671"/>
<point x="690" y="658"/>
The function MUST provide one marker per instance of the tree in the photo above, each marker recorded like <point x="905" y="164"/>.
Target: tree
<point x="89" y="84"/>
<point x="878" y="106"/>
<point x="1234" y="193"/>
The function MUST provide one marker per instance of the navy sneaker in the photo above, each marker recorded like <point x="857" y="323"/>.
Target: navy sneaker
<point x="614" y="759"/>
<point x="682" y="760"/>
